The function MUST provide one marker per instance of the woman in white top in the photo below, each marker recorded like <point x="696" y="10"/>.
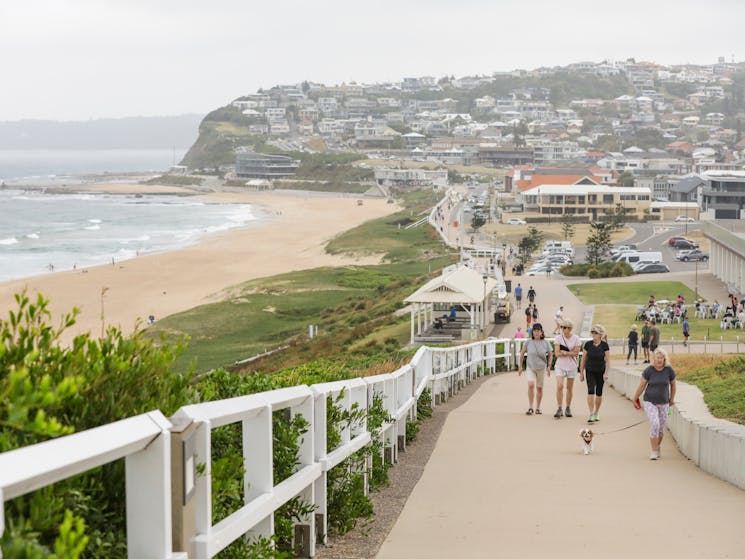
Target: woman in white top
<point x="539" y="356"/>
<point x="567" y="347"/>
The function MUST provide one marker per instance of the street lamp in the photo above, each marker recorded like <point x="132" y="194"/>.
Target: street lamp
<point x="484" y="320"/>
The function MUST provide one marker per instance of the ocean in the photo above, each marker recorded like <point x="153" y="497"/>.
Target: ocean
<point x="43" y="232"/>
<point x="60" y="166"/>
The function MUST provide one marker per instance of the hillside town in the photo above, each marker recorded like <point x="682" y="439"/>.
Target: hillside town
<point x="670" y="136"/>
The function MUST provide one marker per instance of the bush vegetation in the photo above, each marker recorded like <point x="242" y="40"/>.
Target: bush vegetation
<point x="602" y="270"/>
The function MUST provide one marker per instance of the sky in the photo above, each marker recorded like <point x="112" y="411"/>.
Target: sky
<point x="87" y="59"/>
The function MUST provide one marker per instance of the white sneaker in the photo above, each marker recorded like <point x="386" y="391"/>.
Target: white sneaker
<point x="654" y="455"/>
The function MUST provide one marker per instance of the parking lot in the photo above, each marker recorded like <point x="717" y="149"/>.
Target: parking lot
<point x="653" y="237"/>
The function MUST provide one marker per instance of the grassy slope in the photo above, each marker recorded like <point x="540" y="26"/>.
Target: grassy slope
<point x="352" y="305"/>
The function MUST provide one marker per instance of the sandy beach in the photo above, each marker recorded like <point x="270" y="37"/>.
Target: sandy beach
<point x="291" y="237"/>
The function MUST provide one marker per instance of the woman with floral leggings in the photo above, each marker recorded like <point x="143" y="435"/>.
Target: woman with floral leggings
<point x="658" y="385"/>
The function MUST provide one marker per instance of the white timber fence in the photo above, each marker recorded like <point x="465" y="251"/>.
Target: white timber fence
<point x="169" y="461"/>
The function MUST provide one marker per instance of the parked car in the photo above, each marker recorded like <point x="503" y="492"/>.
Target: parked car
<point x="516" y="221"/>
<point x="540" y="269"/>
<point x="503" y="312"/>
<point x="624" y="248"/>
<point x="684" y="219"/>
<point x="656" y="268"/>
<point x="693" y="255"/>
<point x="685" y="243"/>
<point x="672" y="240"/>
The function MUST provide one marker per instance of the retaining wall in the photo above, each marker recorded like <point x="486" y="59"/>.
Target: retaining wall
<point x="717" y="446"/>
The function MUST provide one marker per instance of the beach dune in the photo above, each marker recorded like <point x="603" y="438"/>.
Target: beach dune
<point x="291" y="237"/>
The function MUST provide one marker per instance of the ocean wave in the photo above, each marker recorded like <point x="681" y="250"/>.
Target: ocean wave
<point x="140" y="239"/>
<point x="94" y="221"/>
<point x="92" y="228"/>
<point x="8" y="241"/>
<point x="32" y="236"/>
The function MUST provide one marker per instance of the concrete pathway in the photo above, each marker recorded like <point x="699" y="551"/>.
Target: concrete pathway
<point x="503" y="484"/>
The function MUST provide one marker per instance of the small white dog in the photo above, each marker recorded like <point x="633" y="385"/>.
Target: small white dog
<point x="586" y="435"/>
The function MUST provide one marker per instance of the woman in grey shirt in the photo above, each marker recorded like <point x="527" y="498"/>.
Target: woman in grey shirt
<point x="539" y="357"/>
<point x="658" y="385"/>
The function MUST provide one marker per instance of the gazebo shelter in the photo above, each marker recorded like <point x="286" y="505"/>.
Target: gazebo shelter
<point x="461" y="291"/>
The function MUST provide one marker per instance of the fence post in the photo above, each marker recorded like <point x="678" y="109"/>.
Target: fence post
<point x="183" y="477"/>
<point x="721" y="344"/>
<point x="672" y="344"/>
<point x="704" y="344"/>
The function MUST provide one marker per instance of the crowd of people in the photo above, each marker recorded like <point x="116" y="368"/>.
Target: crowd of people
<point x="568" y="358"/>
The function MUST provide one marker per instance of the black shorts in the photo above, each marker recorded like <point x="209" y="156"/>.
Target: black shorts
<point x="652" y="348"/>
<point x="595" y="382"/>
<point x="645" y="345"/>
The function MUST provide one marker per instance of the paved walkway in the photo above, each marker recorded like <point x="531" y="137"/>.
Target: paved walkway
<point x="503" y="484"/>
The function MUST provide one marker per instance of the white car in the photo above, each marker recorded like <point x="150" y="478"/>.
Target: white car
<point x="684" y="219"/>
<point x="516" y="221"/>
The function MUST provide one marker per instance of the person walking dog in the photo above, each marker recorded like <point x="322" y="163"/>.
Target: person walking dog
<point x="595" y="365"/>
<point x="658" y="385"/>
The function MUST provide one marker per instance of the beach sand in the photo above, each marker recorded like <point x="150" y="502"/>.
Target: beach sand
<point x="290" y="237"/>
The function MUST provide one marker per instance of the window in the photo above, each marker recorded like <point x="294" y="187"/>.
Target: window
<point x="607" y="198"/>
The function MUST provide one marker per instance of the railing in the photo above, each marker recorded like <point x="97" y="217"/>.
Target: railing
<point x="143" y="441"/>
<point x="169" y="462"/>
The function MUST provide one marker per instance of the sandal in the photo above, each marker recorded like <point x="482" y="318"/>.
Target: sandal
<point x="538" y="411"/>
<point x="529" y="412"/>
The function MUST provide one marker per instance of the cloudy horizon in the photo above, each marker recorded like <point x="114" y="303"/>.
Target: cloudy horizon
<point x="88" y="59"/>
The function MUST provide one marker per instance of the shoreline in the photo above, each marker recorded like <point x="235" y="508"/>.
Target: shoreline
<point x="289" y="235"/>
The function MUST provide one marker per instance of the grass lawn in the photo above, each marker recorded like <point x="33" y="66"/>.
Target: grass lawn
<point x="720" y="377"/>
<point x="551" y="231"/>
<point x="631" y="293"/>
<point x="619" y="316"/>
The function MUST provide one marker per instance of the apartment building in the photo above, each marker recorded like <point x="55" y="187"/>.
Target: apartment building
<point x="589" y="200"/>
<point x="386" y="176"/>
<point x="252" y="165"/>
<point x="724" y="194"/>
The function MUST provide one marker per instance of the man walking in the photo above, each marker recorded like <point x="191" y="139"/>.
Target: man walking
<point x="518" y="296"/>
<point x="558" y="319"/>
<point x="654" y="337"/>
<point x="531" y="294"/>
<point x="646" y="330"/>
<point x="686" y="331"/>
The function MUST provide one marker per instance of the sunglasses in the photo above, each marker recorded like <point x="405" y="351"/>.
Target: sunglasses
<point x="566" y="327"/>
<point x="594" y="332"/>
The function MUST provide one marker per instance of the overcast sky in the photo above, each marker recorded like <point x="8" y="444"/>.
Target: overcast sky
<point x="81" y="59"/>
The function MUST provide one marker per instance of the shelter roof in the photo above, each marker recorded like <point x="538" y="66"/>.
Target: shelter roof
<point x="456" y="285"/>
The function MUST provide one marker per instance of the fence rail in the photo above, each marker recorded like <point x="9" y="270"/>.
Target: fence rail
<point x="169" y="462"/>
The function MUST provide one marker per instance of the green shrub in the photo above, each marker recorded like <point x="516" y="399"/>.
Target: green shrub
<point x="593" y="273"/>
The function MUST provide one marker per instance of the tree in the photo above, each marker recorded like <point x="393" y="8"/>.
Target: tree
<point x="529" y="243"/>
<point x="567" y="227"/>
<point x="477" y="221"/>
<point x="598" y="243"/>
<point x="519" y="132"/>
<point x="617" y="216"/>
<point x="626" y="179"/>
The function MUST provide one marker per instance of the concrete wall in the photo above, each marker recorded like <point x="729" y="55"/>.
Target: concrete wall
<point x="717" y="446"/>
